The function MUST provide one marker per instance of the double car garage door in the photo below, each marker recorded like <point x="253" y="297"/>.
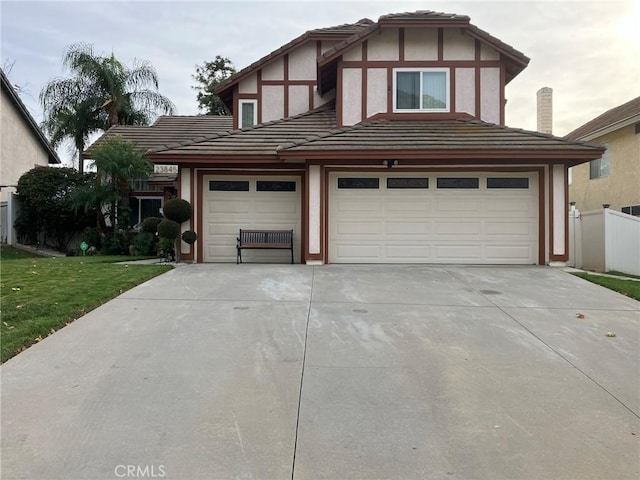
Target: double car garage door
<point x="386" y="217"/>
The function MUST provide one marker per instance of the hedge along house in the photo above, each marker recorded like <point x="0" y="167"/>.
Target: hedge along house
<point x="379" y="142"/>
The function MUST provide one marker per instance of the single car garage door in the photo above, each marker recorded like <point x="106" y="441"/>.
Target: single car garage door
<point x="232" y="203"/>
<point x="433" y="218"/>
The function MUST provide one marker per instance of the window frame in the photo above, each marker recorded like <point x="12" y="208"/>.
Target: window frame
<point x="605" y="156"/>
<point x="253" y="102"/>
<point x="139" y="200"/>
<point x="445" y="70"/>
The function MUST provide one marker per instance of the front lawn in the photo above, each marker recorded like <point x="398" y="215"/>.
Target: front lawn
<point x="630" y="288"/>
<point x="40" y="295"/>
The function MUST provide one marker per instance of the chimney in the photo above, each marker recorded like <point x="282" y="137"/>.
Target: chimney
<point x="545" y="110"/>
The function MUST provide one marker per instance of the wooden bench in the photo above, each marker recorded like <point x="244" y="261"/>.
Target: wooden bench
<point x="264" y="239"/>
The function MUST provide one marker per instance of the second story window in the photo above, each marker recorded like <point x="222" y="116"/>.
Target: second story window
<point x="248" y="113"/>
<point x="601" y="167"/>
<point x="421" y="90"/>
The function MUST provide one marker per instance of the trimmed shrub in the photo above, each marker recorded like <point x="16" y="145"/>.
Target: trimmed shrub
<point x="189" y="237"/>
<point x="145" y="243"/>
<point x="168" y="229"/>
<point x="178" y="210"/>
<point x="150" y="225"/>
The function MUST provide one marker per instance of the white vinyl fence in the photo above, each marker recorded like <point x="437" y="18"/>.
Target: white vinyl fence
<point x="8" y="214"/>
<point x="604" y="240"/>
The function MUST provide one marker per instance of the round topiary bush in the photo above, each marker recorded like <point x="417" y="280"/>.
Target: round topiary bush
<point x="189" y="237"/>
<point x="150" y="225"/>
<point x="178" y="210"/>
<point x="168" y="229"/>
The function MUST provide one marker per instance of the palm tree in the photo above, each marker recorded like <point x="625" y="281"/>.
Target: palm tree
<point x="101" y="92"/>
<point x="117" y="161"/>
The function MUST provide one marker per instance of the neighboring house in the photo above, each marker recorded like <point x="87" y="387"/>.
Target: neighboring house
<point x="23" y="146"/>
<point x="378" y="142"/>
<point x="614" y="179"/>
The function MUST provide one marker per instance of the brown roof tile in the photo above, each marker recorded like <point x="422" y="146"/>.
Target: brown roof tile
<point x="260" y="140"/>
<point x="608" y="119"/>
<point x="415" y="135"/>
<point x="168" y="130"/>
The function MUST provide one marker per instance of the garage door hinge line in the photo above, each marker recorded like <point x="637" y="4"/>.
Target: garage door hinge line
<point x="304" y="358"/>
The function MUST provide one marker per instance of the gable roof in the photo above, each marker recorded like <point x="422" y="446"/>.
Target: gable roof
<point x="337" y="32"/>
<point x="613" y="119"/>
<point x="29" y="120"/>
<point x="516" y="61"/>
<point x="168" y="130"/>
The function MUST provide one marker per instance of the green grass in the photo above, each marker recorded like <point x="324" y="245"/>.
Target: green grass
<point x="630" y="288"/>
<point x="622" y="274"/>
<point x="10" y="253"/>
<point x="40" y="295"/>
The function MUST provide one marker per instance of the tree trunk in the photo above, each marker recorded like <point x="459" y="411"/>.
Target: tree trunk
<point x="80" y="161"/>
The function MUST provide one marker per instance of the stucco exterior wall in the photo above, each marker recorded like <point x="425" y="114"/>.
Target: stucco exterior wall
<point x="249" y="84"/>
<point x="302" y="62"/>
<point x="490" y="95"/>
<point x="272" y="102"/>
<point x="298" y="99"/>
<point x="465" y="90"/>
<point x="20" y="151"/>
<point x="274" y="70"/>
<point x="352" y="96"/>
<point x="621" y="187"/>
<point x="383" y="46"/>
<point x="458" y="46"/>
<point x="376" y="91"/>
<point x="421" y="44"/>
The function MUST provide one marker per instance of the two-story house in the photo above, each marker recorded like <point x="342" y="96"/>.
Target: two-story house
<point x="614" y="179"/>
<point x="380" y="142"/>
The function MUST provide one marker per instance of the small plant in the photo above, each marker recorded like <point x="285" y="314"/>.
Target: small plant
<point x="167" y="249"/>
<point x="189" y="237"/>
<point x="178" y="210"/>
<point x="150" y="224"/>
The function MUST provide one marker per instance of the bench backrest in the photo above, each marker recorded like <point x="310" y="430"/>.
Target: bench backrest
<point x="266" y="237"/>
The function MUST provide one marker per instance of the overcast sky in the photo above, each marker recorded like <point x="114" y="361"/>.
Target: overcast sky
<point x="588" y="52"/>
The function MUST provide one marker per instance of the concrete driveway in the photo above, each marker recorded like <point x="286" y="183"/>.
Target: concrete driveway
<point x="334" y="372"/>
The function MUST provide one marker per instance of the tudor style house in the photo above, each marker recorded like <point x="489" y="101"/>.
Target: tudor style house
<point x="376" y="142"/>
<point x="614" y="179"/>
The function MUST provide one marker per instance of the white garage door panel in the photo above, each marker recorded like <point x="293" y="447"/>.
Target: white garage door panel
<point x="402" y="252"/>
<point x="456" y="253"/>
<point x="231" y="206"/>
<point x="499" y="252"/>
<point x="363" y="252"/>
<point x="464" y="228"/>
<point x="229" y="211"/>
<point x="431" y="225"/>
<point x="419" y="227"/>
<point x="509" y="229"/>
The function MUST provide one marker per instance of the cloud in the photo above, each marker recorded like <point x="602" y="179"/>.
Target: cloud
<point x="586" y="51"/>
